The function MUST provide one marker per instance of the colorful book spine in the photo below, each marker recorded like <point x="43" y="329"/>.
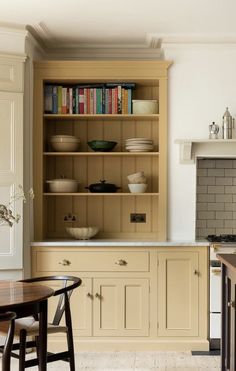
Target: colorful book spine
<point x="119" y="99"/>
<point x="81" y="100"/>
<point x="59" y="99"/>
<point x="48" y="99"/>
<point x="54" y="100"/>
<point x="64" y="101"/>
<point x="129" y="101"/>
<point x="85" y="100"/>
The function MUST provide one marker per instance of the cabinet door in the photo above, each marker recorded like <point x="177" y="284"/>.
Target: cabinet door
<point x="11" y="175"/>
<point x="81" y="307"/>
<point x="121" y="307"/>
<point x="178" y="294"/>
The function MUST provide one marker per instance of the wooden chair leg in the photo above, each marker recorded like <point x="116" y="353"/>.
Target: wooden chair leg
<point x="71" y="348"/>
<point x="22" y="350"/>
<point x="6" y="357"/>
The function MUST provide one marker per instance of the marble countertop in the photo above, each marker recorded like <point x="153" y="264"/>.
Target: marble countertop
<point x="119" y="242"/>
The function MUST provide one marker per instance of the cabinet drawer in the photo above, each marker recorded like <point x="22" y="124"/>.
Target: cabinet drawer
<point x="103" y="261"/>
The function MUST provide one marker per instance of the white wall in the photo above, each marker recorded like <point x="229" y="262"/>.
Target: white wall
<point x="202" y="82"/>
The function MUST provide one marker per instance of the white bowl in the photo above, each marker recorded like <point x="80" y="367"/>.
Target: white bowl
<point x="137" y="178"/>
<point x="64" y="138"/>
<point x="137" y="188"/>
<point x="65" y="146"/>
<point x="84" y="233"/>
<point x="145" y="107"/>
<point x="63" y="185"/>
<point x="64" y="143"/>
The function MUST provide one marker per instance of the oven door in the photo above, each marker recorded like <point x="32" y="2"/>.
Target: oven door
<point x="215" y="289"/>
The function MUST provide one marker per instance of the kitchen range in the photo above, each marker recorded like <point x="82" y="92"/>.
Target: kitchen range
<point x="220" y="244"/>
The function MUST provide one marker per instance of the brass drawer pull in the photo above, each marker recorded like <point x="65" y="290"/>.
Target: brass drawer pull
<point x="196" y="272"/>
<point x="89" y="295"/>
<point x="216" y="271"/>
<point x="98" y="296"/>
<point x="121" y="262"/>
<point x="65" y="262"/>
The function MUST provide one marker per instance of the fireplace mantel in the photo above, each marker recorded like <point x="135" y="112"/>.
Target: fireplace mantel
<point x="192" y="148"/>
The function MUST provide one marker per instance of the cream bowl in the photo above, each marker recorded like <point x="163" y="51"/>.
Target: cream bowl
<point x="64" y="143"/>
<point x="137" y="188"/>
<point x="83" y="233"/>
<point x="63" y="185"/>
<point x="137" y="178"/>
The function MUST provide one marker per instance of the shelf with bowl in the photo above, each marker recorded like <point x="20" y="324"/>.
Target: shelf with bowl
<point x="91" y="154"/>
<point x="90" y="194"/>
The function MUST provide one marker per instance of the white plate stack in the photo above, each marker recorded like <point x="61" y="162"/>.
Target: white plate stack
<point x="139" y="145"/>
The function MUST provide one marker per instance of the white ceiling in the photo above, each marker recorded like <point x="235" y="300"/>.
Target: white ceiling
<point x="106" y="23"/>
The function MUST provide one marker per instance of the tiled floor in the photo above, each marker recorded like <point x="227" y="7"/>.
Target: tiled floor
<point x="136" y="361"/>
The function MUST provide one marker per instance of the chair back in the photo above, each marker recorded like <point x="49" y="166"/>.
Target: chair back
<point x="69" y="283"/>
<point x="7" y="316"/>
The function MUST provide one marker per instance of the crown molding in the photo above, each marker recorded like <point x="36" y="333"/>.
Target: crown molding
<point x="193" y="39"/>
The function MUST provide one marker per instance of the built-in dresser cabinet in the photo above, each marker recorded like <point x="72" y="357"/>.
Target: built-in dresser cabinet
<point x="132" y="297"/>
<point x="111" y="212"/>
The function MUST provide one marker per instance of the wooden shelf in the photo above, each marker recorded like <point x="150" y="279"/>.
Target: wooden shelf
<point x="95" y="154"/>
<point x="128" y="117"/>
<point x="78" y="194"/>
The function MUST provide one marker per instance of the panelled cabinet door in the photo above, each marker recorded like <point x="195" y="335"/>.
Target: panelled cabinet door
<point x="121" y="307"/>
<point x="11" y="175"/>
<point x="80" y="304"/>
<point x="178" y="300"/>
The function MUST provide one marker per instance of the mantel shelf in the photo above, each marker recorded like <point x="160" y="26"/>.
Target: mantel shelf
<point x="186" y="148"/>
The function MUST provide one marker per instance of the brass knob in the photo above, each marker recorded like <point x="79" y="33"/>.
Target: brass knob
<point x="196" y="272"/>
<point x="216" y="271"/>
<point x="65" y="262"/>
<point x="98" y="296"/>
<point x="121" y="262"/>
<point x="89" y="295"/>
<point x="231" y="304"/>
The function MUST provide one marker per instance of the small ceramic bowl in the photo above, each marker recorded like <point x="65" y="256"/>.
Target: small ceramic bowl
<point x="137" y="188"/>
<point x="102" y="145"/>
<point x="84" y="233"/>
<point x="137" y="178"/>
<point x="64" y="143"/>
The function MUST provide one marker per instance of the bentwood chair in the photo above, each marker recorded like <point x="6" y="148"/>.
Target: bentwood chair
<point x="8" y="316"/>
<point x="29" y="326"/>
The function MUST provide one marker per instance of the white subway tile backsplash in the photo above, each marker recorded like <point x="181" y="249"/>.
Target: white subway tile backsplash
<point x="206" y="164"/>
<point x="224" y="164"/>
<point x="219" y="206"/>
<point x="216" y="189"/>
<point x="230" y="189"/>
<point x="230" y="172"/>
<point x="202" y="189"/>
<point x="203" y="206"/>
<point x="216" y="172"/>
<point x="215" y="223"/>
<point x="224" y="181"/>
<point x="206" y="215"/>
<point x="230" y="223"/>
<point x="224" y="215"/>
<point x="230" y="206"/>
<point x="207" y="180"/>
<point x="206" y="197"/>
<point x="224" y="198"/>
<point x="216" y="197"/>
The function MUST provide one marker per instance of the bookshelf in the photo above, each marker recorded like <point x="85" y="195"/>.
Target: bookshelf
<point x="109" y="211"/>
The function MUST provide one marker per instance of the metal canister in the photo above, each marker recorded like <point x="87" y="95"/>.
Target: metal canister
<point x="227" y="125"/>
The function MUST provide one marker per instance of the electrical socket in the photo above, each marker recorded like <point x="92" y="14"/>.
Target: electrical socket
<point x="137" y="218"/>
<point x="70" y="218"/>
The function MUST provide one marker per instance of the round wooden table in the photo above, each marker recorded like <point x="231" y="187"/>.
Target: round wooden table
<point x="26" y="299"/>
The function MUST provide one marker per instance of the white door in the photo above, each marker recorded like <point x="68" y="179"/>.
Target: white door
<point x="11" y="175"/>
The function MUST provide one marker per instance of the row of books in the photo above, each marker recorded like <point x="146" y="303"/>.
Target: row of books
<point x="110" y="98"/>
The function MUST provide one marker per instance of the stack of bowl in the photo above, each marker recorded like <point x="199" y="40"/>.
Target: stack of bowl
<point x="137" y="182"/>
<point x="139" y="145"/>
<point x="64" y="143"/>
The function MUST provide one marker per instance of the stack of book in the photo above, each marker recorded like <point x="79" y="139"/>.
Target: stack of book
<point x="109" y="98"/>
